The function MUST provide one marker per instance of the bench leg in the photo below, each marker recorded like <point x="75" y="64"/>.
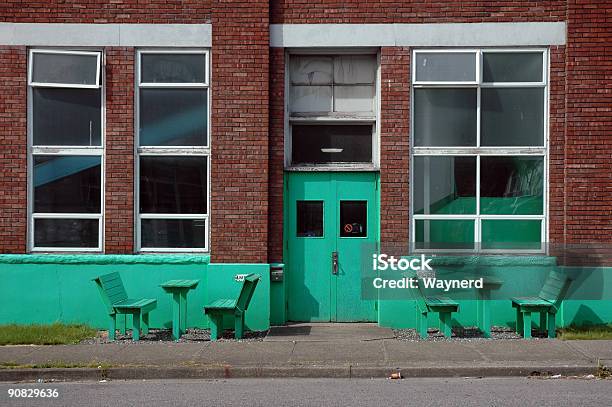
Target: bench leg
<point x="445" y="324"/>
<point x="183" y="306"/>
<point x="145" y="324"/>
<point x="527" y="325"/>
<point x="552" y="328"/>
<point x="216" y="326"/>
<point x="422" y="321"/>
<point x="543" y="325"/>
<point x="112" y="327"/>
<point x="238" y="325"/>
<point x="176" y="316"/>
<point x="123" y="324"/>
<point x="136" y="326"/>
<point x="519" y="321"/>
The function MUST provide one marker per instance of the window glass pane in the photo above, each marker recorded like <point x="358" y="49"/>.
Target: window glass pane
<point x="512" y="67"/>
<point x="444" y="117"/>
<point x="353" y="218"/>
<point x="511" y="185"/>
<point x="173" y="117"/>
<point x="311" y="70"/>
<point x="309" y="218"/>
<point x="446" y="67"/>
<point x="511" y="234"/>
<point x="512" y="116"/>
<point x="309" y="99"/>
<point x="354" y="98"/>
<point x="66" y="117"/>
<point x="444" y="234"/>
<point x="316" y="144"/>
<point x="173" y="68"/>
<point x="67" y="184"/>
<point x="355" y="69"/>
<point x="65" y="68"/>
<point x="444" y="185"/>
<point x="173" y="184"/>
<point x="81" y="233"/>
<point x="173" y="233"/>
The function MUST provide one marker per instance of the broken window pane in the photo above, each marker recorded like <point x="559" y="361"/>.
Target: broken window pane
<point x="173" y="68"/>
<point x="512" y="234"/>
<point x="66" y="117"/>
<point x="512" y="67"/>
<point x="512" y="117"/>
<point x="64" y="68"/>
<point x="80" y="233"/>
<point x="444" y="117"/>
<point x="445" y="66"/>
<point x="173" y="233"/>
<point x="322" y="144"/>
<point x="444" y="185"/>
<point x="444" y="234"/>
<point x="511" y="185"/>
<point x="309" y="220"/>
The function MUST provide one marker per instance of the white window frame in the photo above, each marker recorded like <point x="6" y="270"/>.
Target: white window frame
<point x="345" y="118"/>
<point x="50" y="150"/>
<point x="170" y="151"/>
<point x="478" y="151"/>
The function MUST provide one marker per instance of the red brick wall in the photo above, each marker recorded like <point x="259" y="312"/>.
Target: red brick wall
<point x="240" y="84"/>
<point x="589" y="122"/>
<point x="105" y="11"/>
<point x="119" y="189"/>
<point x="13" y="143"/>
<point x="276" y="154"/>
<point x="414" y="11"/>
<point x="394" y="149"/>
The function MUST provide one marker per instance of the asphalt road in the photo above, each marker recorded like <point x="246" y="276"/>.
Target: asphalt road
<point x="323" y="392"/>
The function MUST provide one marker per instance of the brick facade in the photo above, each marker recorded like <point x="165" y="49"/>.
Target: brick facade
<point x="247" y="117"/>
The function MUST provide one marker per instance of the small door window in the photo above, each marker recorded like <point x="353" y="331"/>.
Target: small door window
<point x="353" y="218"/>
<point x="309" y="218"/>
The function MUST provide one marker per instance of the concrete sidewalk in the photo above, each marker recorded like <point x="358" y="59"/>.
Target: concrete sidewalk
<point x="310" y="351"/>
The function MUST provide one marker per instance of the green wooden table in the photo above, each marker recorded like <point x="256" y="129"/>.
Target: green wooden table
<point x="179" y="289"/>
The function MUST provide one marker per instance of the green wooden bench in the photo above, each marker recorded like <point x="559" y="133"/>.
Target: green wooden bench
<point x="547" y="303"/>
<point x="442" y="305"/>
<point x="116" y="300"/>
<point x="228" y="306"/>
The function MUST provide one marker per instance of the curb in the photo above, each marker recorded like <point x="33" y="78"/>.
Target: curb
<point x="226" y="372"/>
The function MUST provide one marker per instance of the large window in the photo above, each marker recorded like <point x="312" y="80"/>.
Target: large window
<point x="173" y="150"/>
<point x="66" y="153"/>
<point x="479" y="149"/>
<point x="332" y="111"/>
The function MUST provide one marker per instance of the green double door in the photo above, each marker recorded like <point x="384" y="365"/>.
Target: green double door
<point x="331" y="232"/>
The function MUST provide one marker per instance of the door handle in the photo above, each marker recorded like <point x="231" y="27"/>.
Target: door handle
<point x="334" y="262"/>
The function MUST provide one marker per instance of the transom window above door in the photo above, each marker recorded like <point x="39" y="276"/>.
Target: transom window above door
<point x="332" y="107"/>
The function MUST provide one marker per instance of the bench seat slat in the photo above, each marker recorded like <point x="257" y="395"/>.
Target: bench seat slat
<point x="533" y="301"/>
<point x="135" y="303"/>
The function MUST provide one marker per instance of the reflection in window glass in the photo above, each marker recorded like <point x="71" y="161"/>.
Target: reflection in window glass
<point x="173" y="117"/>
<point x="67" y="184"/>
<point x="173" y="233"/>
<point x="512" y="117"/>
<point x="68" y="69"/>
<point x="173" y="184"/>
<point x="446" y="67"/>
<point x="511" y="185"/>
<point x="309" y="218"/>
<point x="444" y="185"/>
<point x="444" y="234"/>
<point x="353" y="218"/>
<point x="66" y="117"/>
<point x="173" y="68"/>
<point x="512" y="67"/>
<point x="444" y="117"/>
<point x="69" y="233"/>
<point x="512" y="234"/>
<point x="320" y="144"/>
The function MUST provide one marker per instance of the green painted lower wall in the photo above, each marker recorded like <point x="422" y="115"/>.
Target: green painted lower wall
<point x="49" y="288"/>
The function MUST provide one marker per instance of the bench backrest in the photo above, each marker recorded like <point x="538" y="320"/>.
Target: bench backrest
<point x="417" y="293"/>
<point x="555" y="287"/>
<point x="111" y="289"/>
<point x="247" y="290"/>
